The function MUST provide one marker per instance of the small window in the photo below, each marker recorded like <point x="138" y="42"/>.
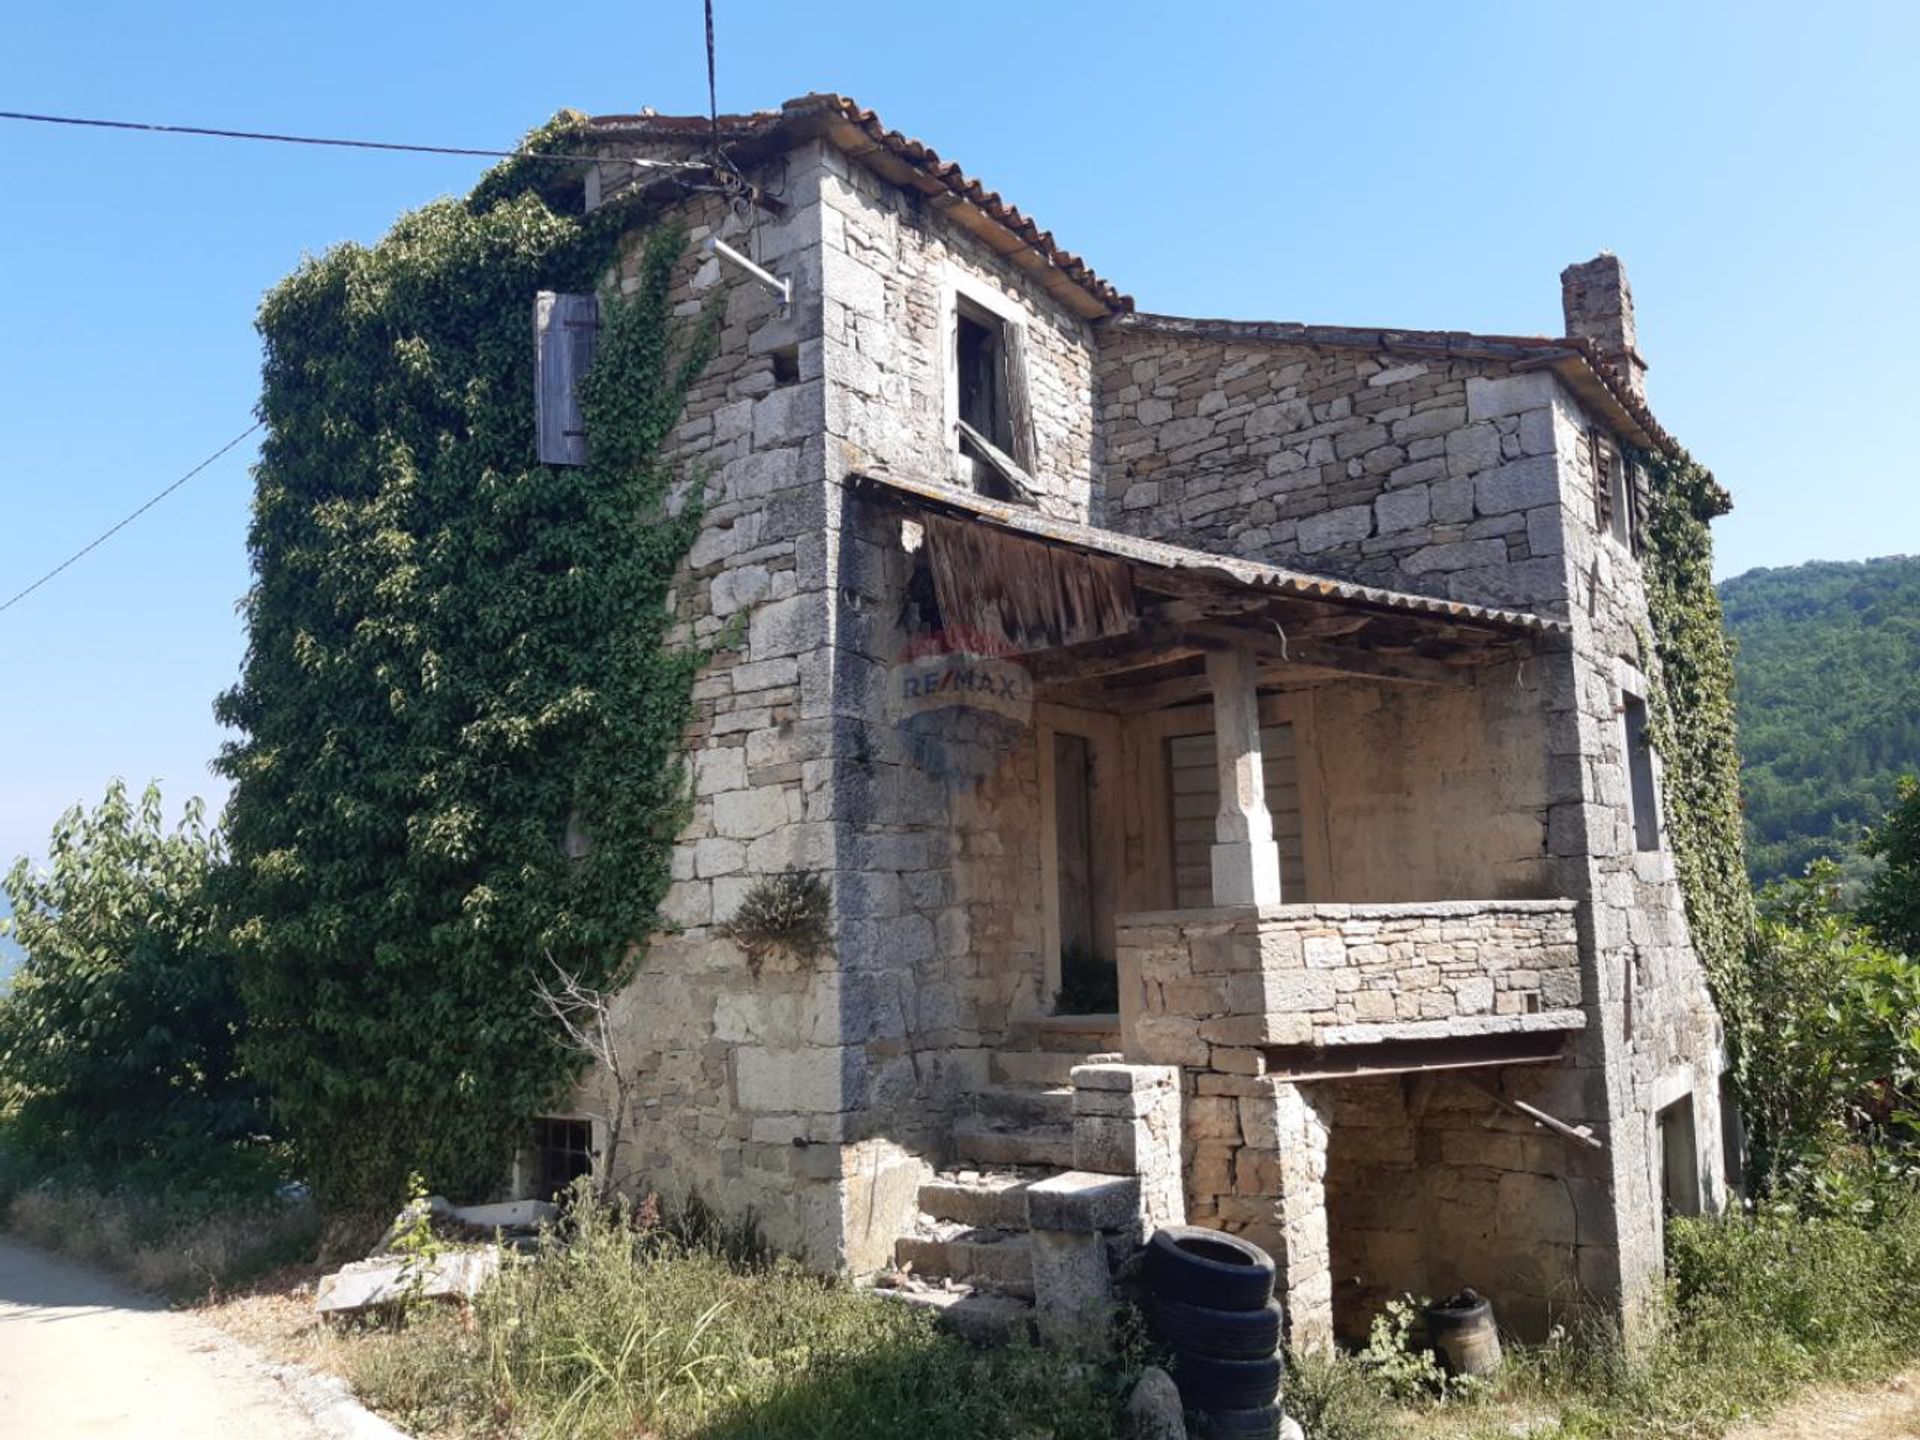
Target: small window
<point x="562" y="1153"/>
<point x="1646" y="811"/>
<point x="786" y="365"/>
<point x="990" y="393"/>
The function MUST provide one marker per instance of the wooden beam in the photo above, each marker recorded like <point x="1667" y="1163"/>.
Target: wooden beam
<point x="1413" y="1057"/>
<point x="1272" y="647"/>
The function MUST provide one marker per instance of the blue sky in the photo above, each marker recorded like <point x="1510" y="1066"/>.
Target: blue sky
<point x="1402" y="163"/>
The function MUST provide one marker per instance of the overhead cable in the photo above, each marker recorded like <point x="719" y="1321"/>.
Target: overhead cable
<point x="108" y="534"/>
<point x="207" y="132"/>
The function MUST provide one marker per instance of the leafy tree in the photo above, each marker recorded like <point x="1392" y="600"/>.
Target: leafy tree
<point x="118" y="1037"/>
<point x="461" y="719"/>
<point x="1891" y="908"/>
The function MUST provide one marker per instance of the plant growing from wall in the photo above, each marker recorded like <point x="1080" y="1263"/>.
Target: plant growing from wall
<point x="784" y="914"/>
<point x="460" y="713"/>
<point x="1693" y="728"/>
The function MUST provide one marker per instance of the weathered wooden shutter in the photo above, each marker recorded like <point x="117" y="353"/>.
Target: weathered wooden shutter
<point x="1013" y="347"/>
<point x="566" y="330"/>
<point x="1600" y="455"/>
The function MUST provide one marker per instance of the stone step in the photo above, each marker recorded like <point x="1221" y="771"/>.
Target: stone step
<point x="987" y="1258"/>
<point x="985" y="1317"/>
<point x="1036" y="1069"/>
<point x="980" y="1141"/>
<point x="993" y="1198"/>
<point x="1067" y="1034"/>
<point x="1018" y="1105"/>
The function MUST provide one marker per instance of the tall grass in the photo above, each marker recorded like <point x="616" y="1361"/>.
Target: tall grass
<point x="159" y="1244"/>
<point x="621" y="1333"/>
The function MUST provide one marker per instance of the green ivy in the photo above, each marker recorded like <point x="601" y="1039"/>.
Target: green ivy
<point x="461" y="716"/>
<point x="1693" y="727"/>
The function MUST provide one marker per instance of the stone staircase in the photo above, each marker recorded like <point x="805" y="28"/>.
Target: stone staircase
<point x="972" y="1228"/>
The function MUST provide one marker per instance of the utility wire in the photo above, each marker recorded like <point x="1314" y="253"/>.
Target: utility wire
<point x="106" y="535"/>
<point x="205" y="132"/>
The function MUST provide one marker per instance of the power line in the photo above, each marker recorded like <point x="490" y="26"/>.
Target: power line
<point x="206" y="132"/>
<point x="106" y="535"/>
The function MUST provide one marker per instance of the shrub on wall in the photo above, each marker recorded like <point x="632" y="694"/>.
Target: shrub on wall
<point x="461" y="718"/>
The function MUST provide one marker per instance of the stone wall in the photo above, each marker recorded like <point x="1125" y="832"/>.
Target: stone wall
<point x="1208" y="982"/>
<point x="892" y="263"/>
<point x="1433" y="475"/>
<point x="1432" y="1186"/>
<point x="742" y="1078"/>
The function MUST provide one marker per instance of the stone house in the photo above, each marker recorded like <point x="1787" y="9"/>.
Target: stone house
<point x="1289" y="681"/>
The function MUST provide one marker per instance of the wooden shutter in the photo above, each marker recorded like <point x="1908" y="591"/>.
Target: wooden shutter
<point x="1601" y="454"/>
<point x="566" y="330"/>
<point x="1013" y="347"/>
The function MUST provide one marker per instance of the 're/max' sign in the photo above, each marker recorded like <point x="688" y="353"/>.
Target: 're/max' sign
<point x="958" y="681"/>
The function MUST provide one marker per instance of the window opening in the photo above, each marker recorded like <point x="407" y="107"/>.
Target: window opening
<point x="562" y="1153"/>
<point x="786" y="365"/>
<point x="1679" y="1159"/>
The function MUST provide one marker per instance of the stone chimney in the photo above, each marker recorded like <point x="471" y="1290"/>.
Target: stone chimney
<point x="1598" y="304"/>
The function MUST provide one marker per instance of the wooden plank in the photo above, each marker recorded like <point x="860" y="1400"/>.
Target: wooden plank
<point x="1013" y="357"/>
<point x="1270" y="646"/>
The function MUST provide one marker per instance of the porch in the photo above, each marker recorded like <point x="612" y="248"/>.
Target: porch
<point x="1305" y="824"/>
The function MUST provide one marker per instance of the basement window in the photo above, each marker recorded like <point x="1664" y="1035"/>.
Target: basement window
<point x="1644" y="799"/>
<point x="562" y="1153"/>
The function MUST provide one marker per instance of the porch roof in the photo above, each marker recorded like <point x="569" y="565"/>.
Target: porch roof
<point x="1115" y="621"/>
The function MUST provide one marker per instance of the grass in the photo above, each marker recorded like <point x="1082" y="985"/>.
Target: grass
<point x="156" y="1246"/>
<point x="1760" y="1310"/>
<point x="626" y="1333"/>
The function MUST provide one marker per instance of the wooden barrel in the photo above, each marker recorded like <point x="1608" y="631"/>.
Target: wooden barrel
<point x="1463" y="1331"/>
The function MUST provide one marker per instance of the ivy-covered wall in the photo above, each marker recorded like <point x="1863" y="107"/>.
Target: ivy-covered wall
<point x="460" y="713"/>
<point x="1694" y="726"/>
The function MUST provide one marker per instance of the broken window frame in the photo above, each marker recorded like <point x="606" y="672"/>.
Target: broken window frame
<point x="995" y="459"/>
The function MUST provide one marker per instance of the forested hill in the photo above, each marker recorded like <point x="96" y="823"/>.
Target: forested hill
<point x="1829" y="682"/>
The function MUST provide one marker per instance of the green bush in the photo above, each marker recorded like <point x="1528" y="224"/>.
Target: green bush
<point x="622" y="1332"/>
<point x="1836" y="1068"/>
<point x="118" y="1037"/>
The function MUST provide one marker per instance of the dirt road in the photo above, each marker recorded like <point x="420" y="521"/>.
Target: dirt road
<point x="81" y="1357"/>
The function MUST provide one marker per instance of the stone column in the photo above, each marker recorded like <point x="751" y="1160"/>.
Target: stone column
<point x="1284" y="1165"/>
<point x="1246" y="862"/>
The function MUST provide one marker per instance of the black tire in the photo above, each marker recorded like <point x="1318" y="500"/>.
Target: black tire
<point x="1208" y="1268"/>
<point x="1260" y="1423"/>
<point x="1209" y="1384"/>
<point x="1222" y="1334"/>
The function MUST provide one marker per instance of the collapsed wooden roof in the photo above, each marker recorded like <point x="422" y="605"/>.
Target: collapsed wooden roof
<point x="1111" y="621"/>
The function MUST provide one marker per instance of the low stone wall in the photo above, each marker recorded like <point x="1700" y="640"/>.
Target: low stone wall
<point x="1197" y="983"/>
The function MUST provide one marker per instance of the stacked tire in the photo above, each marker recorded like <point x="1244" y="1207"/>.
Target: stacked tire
<point x="1210" y="1299"/>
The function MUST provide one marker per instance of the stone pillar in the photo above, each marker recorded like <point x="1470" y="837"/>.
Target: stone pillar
<point x="1126" y="1143"/>
<point x="1246" y="862"/>
<point x="1286" y="1161"/>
